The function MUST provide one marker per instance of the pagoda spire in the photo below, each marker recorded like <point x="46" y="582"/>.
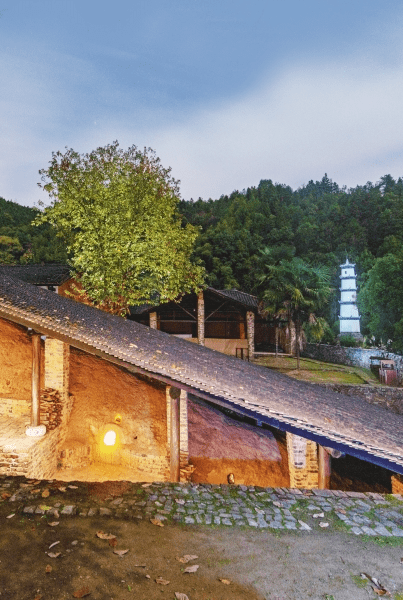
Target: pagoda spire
<point x="349" y="316"/>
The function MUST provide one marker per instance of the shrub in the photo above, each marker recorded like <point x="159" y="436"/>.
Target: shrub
<point x="348" y="341"/>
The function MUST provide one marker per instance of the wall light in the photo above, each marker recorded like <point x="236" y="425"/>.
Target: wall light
<point x="110" y="438"/>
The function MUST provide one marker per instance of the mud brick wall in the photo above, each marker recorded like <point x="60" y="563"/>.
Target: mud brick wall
<point x="16" y="362"/>
<point x="43" y="457"/>
<point x="102" y="392"/>
<point x="14" y="461"/>
<point x="57" y="366"/>
<point x="302" y="462"/>
<point x="15" y="407"/>
<point x="157" y="465"/>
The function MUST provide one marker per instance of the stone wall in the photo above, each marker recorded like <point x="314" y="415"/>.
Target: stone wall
<point x="386" y="397"/>
<point x="354" y="357"/>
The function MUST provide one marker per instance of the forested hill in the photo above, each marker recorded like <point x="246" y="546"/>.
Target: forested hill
<point x="21" y="242"/>
<point x="321" y="223"/>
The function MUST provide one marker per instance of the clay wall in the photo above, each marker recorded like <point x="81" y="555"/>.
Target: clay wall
<point x="15" y="368"/>
<point x="220" y="445"/>
<point x="107" y="397"/>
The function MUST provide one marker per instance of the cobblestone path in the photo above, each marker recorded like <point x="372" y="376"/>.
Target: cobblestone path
<point x="210" y="505"/>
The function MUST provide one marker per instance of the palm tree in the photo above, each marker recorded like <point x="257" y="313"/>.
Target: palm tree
<point x="295" y="291"/>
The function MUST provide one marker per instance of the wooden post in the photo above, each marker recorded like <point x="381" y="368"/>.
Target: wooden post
<point x="36" y="375"/>
<point x="174" y="394"/>
<point x="324" y="464"/>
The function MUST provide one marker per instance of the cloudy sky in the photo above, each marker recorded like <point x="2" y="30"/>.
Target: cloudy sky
<point x="227" y="92"/>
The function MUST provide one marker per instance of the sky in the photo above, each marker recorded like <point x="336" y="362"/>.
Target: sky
<point x="227" y="92"/>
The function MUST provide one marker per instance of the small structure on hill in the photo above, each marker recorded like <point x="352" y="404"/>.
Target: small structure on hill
<point x="349" y="316"/>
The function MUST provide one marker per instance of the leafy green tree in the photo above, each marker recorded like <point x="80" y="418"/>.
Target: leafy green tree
<point x="10" y="250"/>
<point x="380" y="300"/>
<point x="117" y="211"/>
<point x="295" y="291"/>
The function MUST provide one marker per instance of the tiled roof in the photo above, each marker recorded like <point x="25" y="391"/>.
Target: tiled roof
<point x="246" y="300"/>
<point x="50" y="274"/>
<point x="332" y="419"/>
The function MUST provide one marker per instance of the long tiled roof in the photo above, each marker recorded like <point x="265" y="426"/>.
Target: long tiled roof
<point x="50" y="274"/>
<point x="246" y="300"/>
<point x="332" y="419"/>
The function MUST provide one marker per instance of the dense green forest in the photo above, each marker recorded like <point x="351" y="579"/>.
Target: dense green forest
<point x="21" y="242"/>
<point x="320" y="223"/>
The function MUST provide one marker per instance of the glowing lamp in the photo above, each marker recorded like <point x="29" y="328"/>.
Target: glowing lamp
<point x="110" y="438"/>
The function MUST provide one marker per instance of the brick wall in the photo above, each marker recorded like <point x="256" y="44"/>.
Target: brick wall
<point x="302" y="462"/>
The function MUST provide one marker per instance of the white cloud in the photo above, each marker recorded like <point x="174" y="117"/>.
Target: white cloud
<point x="346" y="121"/>
<point x="342" y="117"/>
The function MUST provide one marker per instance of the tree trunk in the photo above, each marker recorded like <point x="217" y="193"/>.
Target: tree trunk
<point x="277" y="332"/>
<point x="297" y="335"/>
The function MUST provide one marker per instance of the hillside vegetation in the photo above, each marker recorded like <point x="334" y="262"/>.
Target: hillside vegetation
<point x="320" y="223"/>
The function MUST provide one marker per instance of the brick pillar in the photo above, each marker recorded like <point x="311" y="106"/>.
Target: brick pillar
<point x="200" y="319"/>
<point x="184" y="434"/>
<point x="153" y="320"/>
<point x="57" y="355"/>
<point x="183" y="410"/>
<point x="397" y="483"/>
<point x="302" y="462"/>
<point x="250" y="330"/>
<point x="173" y="422"/>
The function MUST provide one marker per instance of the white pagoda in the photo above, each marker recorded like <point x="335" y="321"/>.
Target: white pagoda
<point x="349" y="317"/>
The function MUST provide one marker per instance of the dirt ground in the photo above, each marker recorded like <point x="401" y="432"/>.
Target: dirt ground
<point x="257" y="564"/>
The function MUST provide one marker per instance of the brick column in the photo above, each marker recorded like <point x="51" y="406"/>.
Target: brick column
<point x="250" y="331"/>
<point x="153" y="320"/>
<point x="57" y="356"/>
<point x="184" y="434"/>
<point x="200" y="319"/>
<point x="302" y="462"/>
<point x="173" y="418"/>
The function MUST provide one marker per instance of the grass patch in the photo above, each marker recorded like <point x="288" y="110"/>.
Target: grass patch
<point x="392" y="542"/>
<point x="359" y="581"/>
<point x="318" y="371"/>
<point x="394" y="501"/>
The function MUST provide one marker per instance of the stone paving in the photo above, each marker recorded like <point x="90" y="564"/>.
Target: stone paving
<point x="276" y="509"/>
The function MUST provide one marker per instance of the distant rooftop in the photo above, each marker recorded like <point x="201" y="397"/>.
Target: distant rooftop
<point x="241" y="298"/>
<point x="50" y="274"/>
